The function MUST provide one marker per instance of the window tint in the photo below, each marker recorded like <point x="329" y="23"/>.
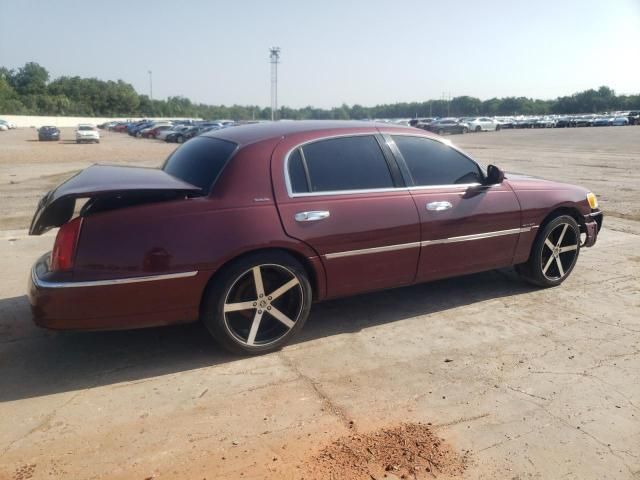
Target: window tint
<point x="199" y="161"/>
<point x="434" y="163"/>
<point x="348" y="163"/>
<point x="296" y="173"/>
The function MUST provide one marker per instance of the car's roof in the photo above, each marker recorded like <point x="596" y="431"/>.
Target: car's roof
<point x="256" y="132"/>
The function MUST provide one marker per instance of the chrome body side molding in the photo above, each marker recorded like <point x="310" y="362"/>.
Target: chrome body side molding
<point x="425" y="243"/>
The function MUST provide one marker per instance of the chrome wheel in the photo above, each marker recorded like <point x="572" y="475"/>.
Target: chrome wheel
<point x="262" y="305"/>
<point x="559" y="251"/>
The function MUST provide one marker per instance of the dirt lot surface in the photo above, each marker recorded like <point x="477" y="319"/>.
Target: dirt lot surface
<point x="480" y="377"/>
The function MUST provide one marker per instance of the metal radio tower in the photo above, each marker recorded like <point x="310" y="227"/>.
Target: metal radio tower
<point x="274" y="55"/>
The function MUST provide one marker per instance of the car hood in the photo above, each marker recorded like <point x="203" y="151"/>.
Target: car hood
<point x="57" y="206"/>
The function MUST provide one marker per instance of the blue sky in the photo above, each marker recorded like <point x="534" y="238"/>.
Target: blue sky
<point x="365" y="52"/>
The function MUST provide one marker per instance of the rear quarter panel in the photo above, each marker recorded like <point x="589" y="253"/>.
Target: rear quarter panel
<point x="184" y="235"/>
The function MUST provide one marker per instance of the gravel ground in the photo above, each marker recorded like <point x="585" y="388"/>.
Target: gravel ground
<point x="518" y="382"/>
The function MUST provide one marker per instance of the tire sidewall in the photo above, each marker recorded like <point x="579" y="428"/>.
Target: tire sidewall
<point x="212" y="313"/>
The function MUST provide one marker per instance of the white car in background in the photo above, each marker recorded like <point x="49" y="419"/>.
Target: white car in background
<point x="620" y="121"/>
<point x="87" y="133"/>
<point x="479" y="124"/>
<point x="7" y="124"/>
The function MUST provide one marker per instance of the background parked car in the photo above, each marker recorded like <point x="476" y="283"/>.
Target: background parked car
<point x="479" y="124"/>
<point x="506" y="122"/>
<point x="87" y="133"/>
<point x="163" y="134"/>
<point x="153" y="131"/>
<point x="584" y="120"/>
<point x="447" y="125"/>
<point x="119" y="127"/>
<point x="48" y="132"/>
<point x="619" y="121"/>
<point x="184" y="135"/>
<point x="545" y="122"/>
<point x="602" y="121"/>
<point x="526" y="122"/>
<point x="8" y="124"/>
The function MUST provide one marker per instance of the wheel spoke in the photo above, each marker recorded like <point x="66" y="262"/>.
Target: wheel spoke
<point x="568" y="248"/>
<point x="564" y="230"/>
<point x="257" y="279"/>
<point x="560" y="269"/>
<point x="234" y="307"/>
<point x="546" y="267"/>
<point x="254" y="327"/>
<point x="281" y="317"/>
<point x="548" y="243"/>
<point x="284" y="288"/>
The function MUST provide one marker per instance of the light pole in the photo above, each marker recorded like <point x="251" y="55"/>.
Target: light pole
<point x="150" y="84"/>
<point x="274" y="56"/>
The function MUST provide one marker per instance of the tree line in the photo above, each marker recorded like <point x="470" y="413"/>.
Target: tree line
<point x="29" y="91"/>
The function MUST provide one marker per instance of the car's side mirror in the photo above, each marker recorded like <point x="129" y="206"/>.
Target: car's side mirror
<point x="494" y="175"/>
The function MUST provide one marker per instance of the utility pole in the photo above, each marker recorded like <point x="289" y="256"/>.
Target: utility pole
<point x="274" y="56"/>
<point x="150" y="84"/>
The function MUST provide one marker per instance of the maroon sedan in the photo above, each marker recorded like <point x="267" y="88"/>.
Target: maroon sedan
<point x="243" y="228"/>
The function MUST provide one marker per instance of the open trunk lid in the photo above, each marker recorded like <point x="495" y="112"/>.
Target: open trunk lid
<point x="104" y="181"/>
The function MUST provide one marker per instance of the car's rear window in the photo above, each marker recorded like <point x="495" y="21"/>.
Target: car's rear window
<point x="199" y="161"/>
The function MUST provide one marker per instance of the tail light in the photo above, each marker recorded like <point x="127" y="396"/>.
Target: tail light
<point x="64" y="248"/>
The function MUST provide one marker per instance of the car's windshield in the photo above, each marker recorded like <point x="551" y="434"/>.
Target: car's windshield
<point x="85" y="127"/>
<point x="199" y="161"/>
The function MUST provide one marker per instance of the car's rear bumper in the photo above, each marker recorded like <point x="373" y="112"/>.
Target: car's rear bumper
<point x="592" y="226"/>
<point x="119" y="303"/>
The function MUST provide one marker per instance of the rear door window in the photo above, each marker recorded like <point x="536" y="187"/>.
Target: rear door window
<point x="339" y="164"/>
<point x="433" y="163"/>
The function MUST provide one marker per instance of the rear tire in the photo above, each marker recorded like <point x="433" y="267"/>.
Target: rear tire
<point x="554" y="253"/>
<point x="498" y="127"/>
<point x="180" y="139"/>
<point x="257" y="303"/>
<point x="440" y="131"/>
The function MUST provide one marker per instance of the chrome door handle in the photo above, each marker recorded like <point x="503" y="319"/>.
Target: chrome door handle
<point x="439" y="206"/>
<point x="312" y="216"/>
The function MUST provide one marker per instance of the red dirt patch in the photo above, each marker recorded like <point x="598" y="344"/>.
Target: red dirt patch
<point x="409" y="451"/>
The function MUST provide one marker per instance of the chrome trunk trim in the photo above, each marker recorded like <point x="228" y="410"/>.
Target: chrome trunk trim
<point x="40" y="283"/>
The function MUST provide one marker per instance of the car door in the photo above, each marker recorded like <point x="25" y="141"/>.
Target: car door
<point x="344" y="196"/>
<point x="465" y="226"/>
<point x="487" y="124"/>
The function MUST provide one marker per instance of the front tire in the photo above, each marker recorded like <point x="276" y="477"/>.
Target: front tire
<point x="554" y="253"/>
<point x="257" y="303"/>
<point x="478" y="128"/>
